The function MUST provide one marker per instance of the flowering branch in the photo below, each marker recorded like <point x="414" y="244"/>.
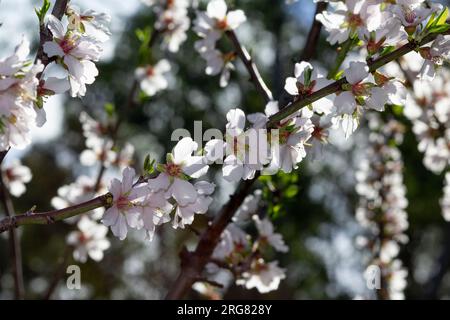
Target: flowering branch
<point x="255" y="76"/>
<point x="337" y="85"/>
<point x="49" y="217"/>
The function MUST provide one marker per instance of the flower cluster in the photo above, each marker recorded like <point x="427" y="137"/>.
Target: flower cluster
<point x="245" y="257"/>
<point x="15" y="175"/>
<point x="210" y="26"/>
<point x="150" y="203"/>
<point x="429" y="111"/>
<point x="382" y="204"/>
<point x="101" y="148"/>
<point x="18" y="97"/>
<point x="74" y="48"/>
<point x="172" y="21"/>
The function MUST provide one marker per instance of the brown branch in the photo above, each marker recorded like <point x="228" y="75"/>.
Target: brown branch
<point x="314" y="34"/>
<point x="337" y="85"/>
<point x="14" y="241"/>
<point x="193" y="263"/>
<point x="50" y="217"/>
<point x="255" y="76"/>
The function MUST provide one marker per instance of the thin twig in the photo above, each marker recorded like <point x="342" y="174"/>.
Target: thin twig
<point x="255" y="76"/>
<point x="59" y="273"/>
<point x="314" y="34"/>
<point x="14" y="241"/>
<point x="50" y="217"/>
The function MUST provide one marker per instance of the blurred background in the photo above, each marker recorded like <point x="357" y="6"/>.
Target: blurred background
<point x="313" y="208"/>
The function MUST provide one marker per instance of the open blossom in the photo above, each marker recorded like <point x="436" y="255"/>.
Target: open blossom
<point x="306" y="81"/>
<point x="209" y="26"/>
<point x="181" y="165"/>
<point x="265" y="277"/>
<point x="77" y="51"/>
<point x="185" y="214"/>
<point x="412" y="13"/>
<point x="88" y="19"/>
<point x="99" y="151"/>
<point x="244" y="149"/>
<point x="354" y="17"/>
<point x="15" y="176"/>
<point x="233" y="241"/>
<point x="267" y="234"/>
<point x="172" y="21"/>
<point x="434" y="56"/>
<point x="89" y="240"/>
<point x="151" y="78"/>
<point x="124" y="211"/>
<point x="18" y="97"/>
<point x="154" y="210"/>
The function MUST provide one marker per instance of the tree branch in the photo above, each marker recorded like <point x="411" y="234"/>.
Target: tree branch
<point x="337" y="85"/>
<point x="255" y="76"/>
<point x="49" y="217"/>
<point x="14" y="241"/>
<point x="314" y="34"/>
<point x="193" y="263"/>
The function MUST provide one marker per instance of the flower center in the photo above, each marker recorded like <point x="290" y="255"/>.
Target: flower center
<point x="222" y="24"/>
<point x="173" y="170"/>
<point x="150" y="71"/>
<point x="306" y="90"/>
<point x="410" y="16"/>
<point x="82" y="238"/>
<point x="354" y="20"/>
<point x="67" y="45"/>
<point x="358" y="89"/>
<point x="122" y="202"/>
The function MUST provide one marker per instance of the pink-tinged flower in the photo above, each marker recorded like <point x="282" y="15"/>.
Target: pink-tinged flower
<point x="434" y="57"/>
<point x="89" y="240"/>
<point x="307" y="81"/>
<point x="268" y="236"/>
<point x="185" y="214"/>
<point x="76" y="52"/>
<point x="151" y="78"/>
<point x="15" y="176"/>
<point x="265" y="277"/>
<point x="181" y="165"/>
<point x="124" y="212"/>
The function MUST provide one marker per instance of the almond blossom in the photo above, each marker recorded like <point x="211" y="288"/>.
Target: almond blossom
<point x="267" y="234"/>
<point x="151" y="78"/>
<point x="76" y="52"/>
<point x="265" y="277"/>
<point x="15" y="176"/>
<point x="124" y="211"/>
<point x="89" y="240"/>
<point x="181" y="166"/>
<point x="434" y="56"/>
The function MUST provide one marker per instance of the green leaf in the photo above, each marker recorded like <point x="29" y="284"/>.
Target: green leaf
<point x="110" y="109"/>
<point x="42" y="11"/>
<point x="291" y="191"/>
<point x="149" y="164"/>
<point x="440" y="20"/>
<point x="439" y="29"/>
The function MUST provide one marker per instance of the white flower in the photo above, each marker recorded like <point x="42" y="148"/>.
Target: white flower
<point x="216" y="63"/>
<point x="248" y="207"/>
<point x="181" y="165"/>
<point x="265" y="277"/>
<point x="124" y="213"/>
<point x="15" y="176"/>
<point x="151" y="78"/>
<point x="232" y="240"/>
<point x="154" y="210"/>
<point x="100" y="151"/>
<point x="216" y="11"/>
<point x="89" y="240"/>
<point x="434" y="56"/>
<point x="411" y="13"/>
<point x="267" y="234"/>
<point x="76" y="52"/>
<point x="185" y="214"/>
<point x="89" y="19"/>
<point x="307" y="81"/>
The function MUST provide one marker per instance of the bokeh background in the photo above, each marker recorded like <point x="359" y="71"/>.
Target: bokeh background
<point x="313" y="208"/>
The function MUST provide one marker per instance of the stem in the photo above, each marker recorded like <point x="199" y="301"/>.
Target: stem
<point x="314" y="34"/>
<point x="342" y="54"/>
<point x="49" y="217"/>
<point x="193" y="263"/>
<point x="336" y="86"/>
<point x="255" y="76"/>
<point x="14" y="241"/>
